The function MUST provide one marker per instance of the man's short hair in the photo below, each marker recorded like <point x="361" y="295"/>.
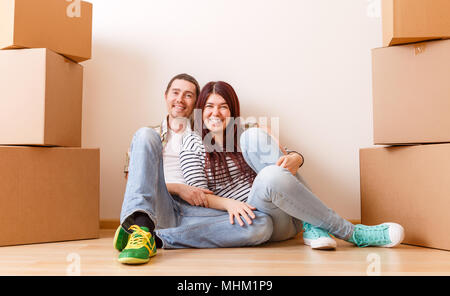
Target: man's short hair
<point x="188" y="78"/>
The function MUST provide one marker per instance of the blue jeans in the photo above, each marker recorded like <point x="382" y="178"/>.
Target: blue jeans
<point x="283" y="196"/>
<point x="178" y="224"/>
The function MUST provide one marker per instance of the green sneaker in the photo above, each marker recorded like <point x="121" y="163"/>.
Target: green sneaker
<point x="317" y="238"/>
<point x="140" y="247"/>
<point x="386" y="235"/>
<point x="120" y="239"/>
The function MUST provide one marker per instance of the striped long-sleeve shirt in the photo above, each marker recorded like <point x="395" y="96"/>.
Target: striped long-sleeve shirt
<point x="192" y="160"/>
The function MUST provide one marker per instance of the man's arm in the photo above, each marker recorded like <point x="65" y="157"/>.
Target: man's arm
<point x="194" y="196"/>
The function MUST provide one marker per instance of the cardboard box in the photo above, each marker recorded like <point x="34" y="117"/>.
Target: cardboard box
<point x="411" y="93"/>
<point x="408" y="185"/>
<point x="55" y="24"/>
<point x="40" y="98"/>
<point x="407" y="21"/>
<point x="48" y="194"/>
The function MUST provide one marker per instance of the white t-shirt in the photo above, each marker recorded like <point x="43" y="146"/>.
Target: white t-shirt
<point x="171" y="158"/>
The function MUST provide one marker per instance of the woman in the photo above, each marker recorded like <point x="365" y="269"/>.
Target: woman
<point x="242" y="172"/>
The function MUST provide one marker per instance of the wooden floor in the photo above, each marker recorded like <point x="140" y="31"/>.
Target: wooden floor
<point x="97" y="257"/>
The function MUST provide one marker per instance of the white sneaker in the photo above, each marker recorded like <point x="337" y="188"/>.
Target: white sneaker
<point x="317" y="238"/>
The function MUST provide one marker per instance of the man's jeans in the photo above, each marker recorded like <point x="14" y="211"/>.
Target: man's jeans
<point x="286" y="198"/>
<point x="178" y="224"/>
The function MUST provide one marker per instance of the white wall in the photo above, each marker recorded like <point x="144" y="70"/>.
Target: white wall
<point x="307" y="62"/>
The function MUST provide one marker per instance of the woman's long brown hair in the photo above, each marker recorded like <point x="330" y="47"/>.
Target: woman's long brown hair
<point x="216" y="157"/>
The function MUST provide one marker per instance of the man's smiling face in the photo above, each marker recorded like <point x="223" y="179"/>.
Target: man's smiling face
<point x="180" y="98"/>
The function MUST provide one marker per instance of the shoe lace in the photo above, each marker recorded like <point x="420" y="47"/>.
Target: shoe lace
<point x="371" y="236"/>
<point x="139" y="238"/>
<point x="306" y="227"/>
<point x="316" y="231"/>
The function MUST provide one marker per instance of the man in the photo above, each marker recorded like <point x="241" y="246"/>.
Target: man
<point x="159" y="209"/>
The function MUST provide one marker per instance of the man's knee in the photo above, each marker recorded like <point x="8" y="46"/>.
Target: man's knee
<point x="147" y="136"/>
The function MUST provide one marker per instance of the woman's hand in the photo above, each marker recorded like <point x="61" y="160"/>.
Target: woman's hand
<point x="290" y="162"/>
<point x="236" y="209"/>
<point x="194" y="196"/>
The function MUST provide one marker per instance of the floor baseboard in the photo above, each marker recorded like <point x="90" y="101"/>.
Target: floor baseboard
<point x="109" y="223"/>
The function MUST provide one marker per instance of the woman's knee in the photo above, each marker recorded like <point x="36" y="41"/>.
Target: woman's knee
<point x="252" y="138"/>
<point x="270" y="179"/>
<point x="259" y="148"/>
<point x="272" y="175"/>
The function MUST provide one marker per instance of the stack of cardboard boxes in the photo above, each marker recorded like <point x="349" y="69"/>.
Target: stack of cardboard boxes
<point x="49" y="185"/>
<point x="409" y="182"/>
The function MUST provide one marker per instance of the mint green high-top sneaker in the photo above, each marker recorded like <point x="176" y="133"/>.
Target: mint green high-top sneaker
<point x="317" y="238"/>
<point x="140" y="247"/>
<point x="386" y="235"/>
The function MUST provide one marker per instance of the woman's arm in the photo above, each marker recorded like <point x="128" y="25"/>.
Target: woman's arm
<point x="290" y="161"/>
<point x="192" y="161"/>
<point x="235" y="208"/>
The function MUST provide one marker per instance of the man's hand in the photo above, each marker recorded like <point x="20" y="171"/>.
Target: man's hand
<point x="291" y="162"/>
<point x="194" y="196"/>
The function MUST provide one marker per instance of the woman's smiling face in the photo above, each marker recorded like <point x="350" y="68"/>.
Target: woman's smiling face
<point x="216" y="113"/>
